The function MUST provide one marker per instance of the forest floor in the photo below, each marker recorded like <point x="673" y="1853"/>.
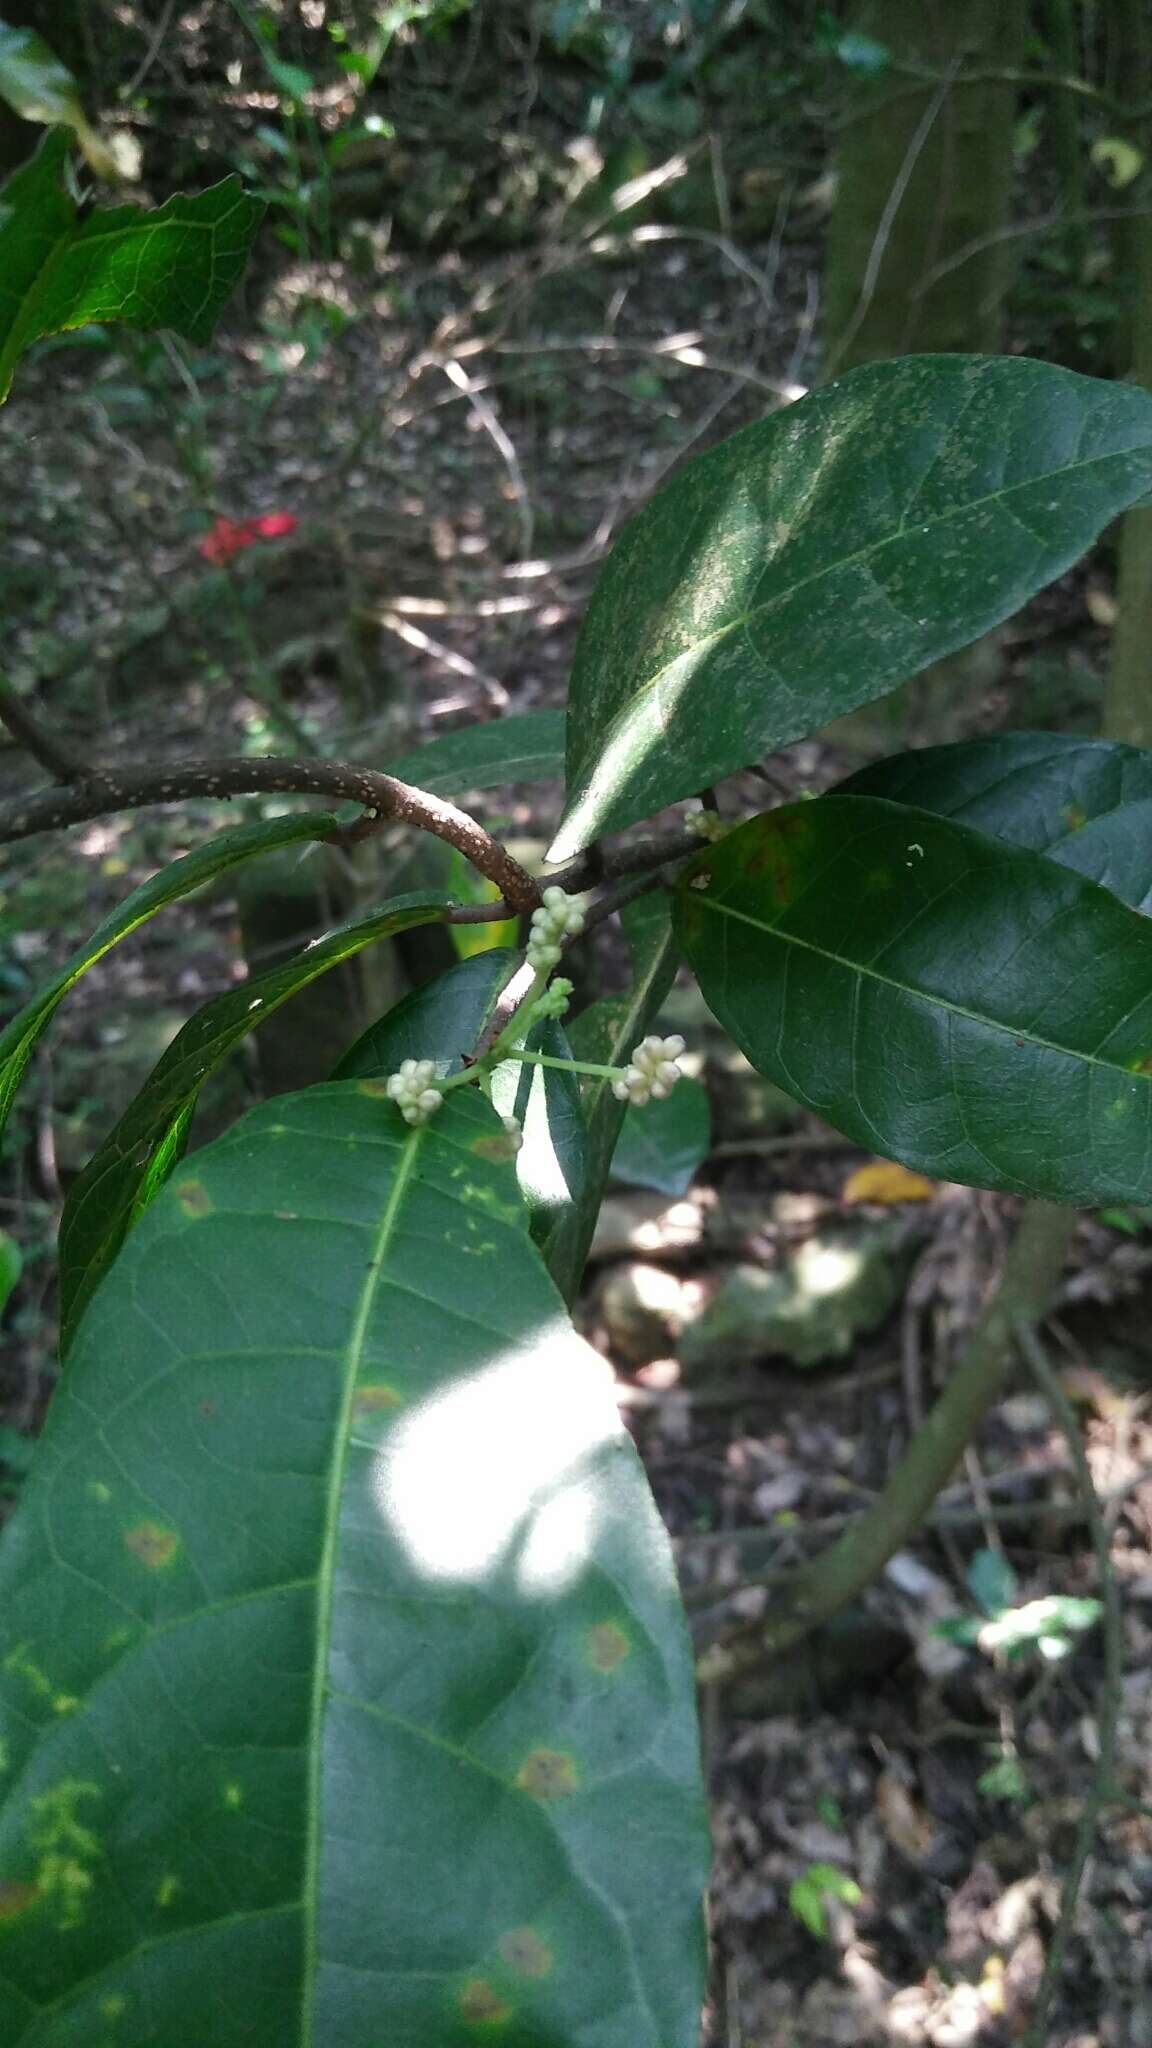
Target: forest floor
<point x="458" y="440"/>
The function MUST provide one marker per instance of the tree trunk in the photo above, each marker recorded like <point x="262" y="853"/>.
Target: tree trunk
<point x="924" y="185"/>
<point x="1128" y="699"/>
<point x="923" y="173"/>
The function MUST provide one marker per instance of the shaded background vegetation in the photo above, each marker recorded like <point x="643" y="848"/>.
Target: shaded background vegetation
<point x="521" y="258"/>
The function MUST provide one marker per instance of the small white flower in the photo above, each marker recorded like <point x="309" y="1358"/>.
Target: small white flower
<point x="557" y="919"/>
<point x="652" y="1072"/>
<point x="413" y="1091"/>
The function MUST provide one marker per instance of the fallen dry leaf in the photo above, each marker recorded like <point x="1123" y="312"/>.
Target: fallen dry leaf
<point x="882" y="1180"/>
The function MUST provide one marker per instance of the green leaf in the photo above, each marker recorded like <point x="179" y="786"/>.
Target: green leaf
<point x="136" y="1158"/>
<point x="808" y="1892"/>
<point x="348" y="1699"/>
<point x="973" y="1010"/>
<point x="11" y="1266"/>
<point x="1085" y="803"/>
<point x="662" y="1145"/>
<point x="528" y="746"/>
<point x="178" y="879"/>
<point x="442" y="1021"/>
<point x="618" y="1028"/>
<point x="991" y="1581"/>
<point x="38" y="87"/>
<point x="822" y="555"/>
<point x="1004" y="1779"/>
<point x="172" y="266"/>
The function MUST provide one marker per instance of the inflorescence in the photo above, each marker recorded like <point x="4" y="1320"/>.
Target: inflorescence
<point x="652" y="1072"/>
<point x="414" y="1091"/>
<point x="557" y="919"/>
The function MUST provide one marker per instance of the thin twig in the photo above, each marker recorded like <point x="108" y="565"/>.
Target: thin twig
<point x="120" y="788"/>
<point x="156" y="43"/>
<point x="1111" y="1688"/>
<point x="28" y="733"/>
<point x="503" y="443"/>
<point x="1044" y="224"/>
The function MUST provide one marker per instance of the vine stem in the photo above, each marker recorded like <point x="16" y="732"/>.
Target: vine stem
<point x="100" y="791"/>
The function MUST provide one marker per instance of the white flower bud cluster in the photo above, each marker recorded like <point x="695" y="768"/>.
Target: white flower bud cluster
<point x="553" y="1002"/>
<point x="557" y="919"/>
<point x="413" y="1089"/>
<point x="707" y="825"/>
<point x="652" y="1072"/>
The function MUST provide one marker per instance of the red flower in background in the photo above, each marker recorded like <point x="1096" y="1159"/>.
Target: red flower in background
<point x="228" y="537"/>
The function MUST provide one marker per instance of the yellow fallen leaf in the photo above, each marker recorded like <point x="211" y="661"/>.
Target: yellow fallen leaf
<point x="882" y="1180"/>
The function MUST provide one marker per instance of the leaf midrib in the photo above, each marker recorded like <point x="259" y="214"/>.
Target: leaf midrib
<point x="1013" y="1031"/>
<point x="353" y="1358"/>
<point x="864" y="554"/>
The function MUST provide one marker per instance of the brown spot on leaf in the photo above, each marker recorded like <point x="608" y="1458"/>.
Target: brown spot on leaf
<point x="378" y="1394"/>
<point x="1075" y="817"/>
<point x="372" y="1087"/>
<point x="499" y="1147"/>
<point x="193" y="1197"/>
<point x="774" y="859"/>
<point x="154" y="1545"/>
<point x="16" y="1898"/>
<point x="482" y="2005"/>
<point x="607" y="1645"/>
<point x="547" y="1774"/>
<point x="523" y="1951"/>
<point x="1141" y="1066"/>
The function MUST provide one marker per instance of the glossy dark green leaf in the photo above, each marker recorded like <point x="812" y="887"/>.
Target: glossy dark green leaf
<point x="345" y="1696"/>
<point x="820" y="556"/>
<point x="171" y="266"/>
<point x="527" y="746"/>
<point x="442" y="1021"/>
<point x="618" y="1025"/>
<point x="663" y="1145"/>
<point x="1086" y="803"/>
<point x="135" y="1159"/>
<point x="971" y="1009"/>
<point x="179" y="878"/>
